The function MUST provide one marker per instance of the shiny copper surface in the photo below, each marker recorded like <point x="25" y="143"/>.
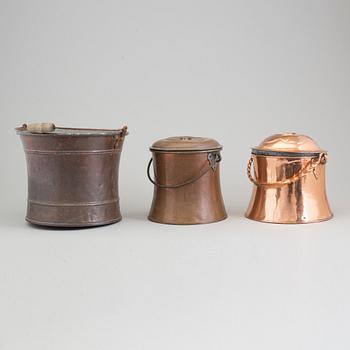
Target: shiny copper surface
<point x="187" y="187"/>
<point x="289" y="189"/>
<point x="289" y="142"/>
<point x="73" y="176"/>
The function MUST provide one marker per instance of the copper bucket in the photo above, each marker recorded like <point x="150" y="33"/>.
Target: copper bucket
<point x="289" y="181"/>
<point x="187" y="181"/>
<point x="72" y="175"/>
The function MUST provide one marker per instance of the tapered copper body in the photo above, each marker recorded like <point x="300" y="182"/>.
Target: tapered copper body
<point x="186" y="181"/>
<point x="289" y="181"/>
<point x="72" y="175"/>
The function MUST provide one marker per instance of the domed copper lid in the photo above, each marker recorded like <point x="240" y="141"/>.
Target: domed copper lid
<point x="185" y="144"/>
<point x="288" y="144"/>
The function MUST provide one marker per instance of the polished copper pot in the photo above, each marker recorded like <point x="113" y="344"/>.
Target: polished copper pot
<point x="289" y="181"/>
<point x="186" y="181"/>
<point x="72" y="175"/>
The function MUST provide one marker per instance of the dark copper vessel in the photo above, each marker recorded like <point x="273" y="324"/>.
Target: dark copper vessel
<point x="186" y="181"/>
<point x="289" y="181"/>
<point x="72" y="175"/>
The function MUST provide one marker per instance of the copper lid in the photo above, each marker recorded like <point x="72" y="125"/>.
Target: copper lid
<point x="185" y="144"/>
<point x="288" y="143"/>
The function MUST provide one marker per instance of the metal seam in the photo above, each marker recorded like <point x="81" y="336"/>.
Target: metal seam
<point x="77" y="204"/>
<point x="285" y="154"/>
<point x="93" y="152"/>
<point x="209" y="150"/>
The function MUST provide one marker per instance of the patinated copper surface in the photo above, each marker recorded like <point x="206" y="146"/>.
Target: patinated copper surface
<point x="73" y="176"/>
<point x="186" y="181"/>
<point x="289" y="181"/>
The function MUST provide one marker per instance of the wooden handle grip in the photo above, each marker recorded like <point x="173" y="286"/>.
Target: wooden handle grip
<point x="41" y="128"/>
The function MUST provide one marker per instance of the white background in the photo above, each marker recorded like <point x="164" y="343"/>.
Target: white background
<point x="237" y="71"/>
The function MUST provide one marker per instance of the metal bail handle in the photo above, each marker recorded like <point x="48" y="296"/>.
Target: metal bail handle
<point x="120" y="137"/>
<point x="214" y="158"/>
<point x="308" y="168"/>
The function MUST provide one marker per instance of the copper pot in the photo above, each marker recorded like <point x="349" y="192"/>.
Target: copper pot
<point x="72" y="175"/>
<point x="289" y="181"/>
<point x="186" y="181"/>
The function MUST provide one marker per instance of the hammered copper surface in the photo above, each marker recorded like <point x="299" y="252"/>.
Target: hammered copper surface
<point x="289" y="189"/>
<point x="197" y="202"/>
<point x="289" y="142"/>
<point x="73" y="177"/>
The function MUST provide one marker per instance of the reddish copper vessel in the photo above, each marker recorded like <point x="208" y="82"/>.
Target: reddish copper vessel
<point x="186" y="181"/>
<point x="289" y="181"/>
<point x="72" y="175"/>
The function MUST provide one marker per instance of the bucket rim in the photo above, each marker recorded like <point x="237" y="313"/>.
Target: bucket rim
<point x="184" y="151"/>
<point x="259" y="152"/>
<point x="76" y="132"/>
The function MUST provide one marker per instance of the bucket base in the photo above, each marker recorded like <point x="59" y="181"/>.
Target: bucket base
<point x="187" y="223"/>
<point x="290" y="222"/>
<point x="73" y="214"/>
<point x="73" y="225"/>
